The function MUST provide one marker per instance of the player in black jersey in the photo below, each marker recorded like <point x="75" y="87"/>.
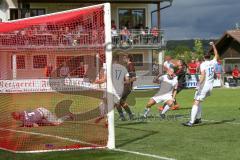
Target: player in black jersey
<point x="181" y="76"/>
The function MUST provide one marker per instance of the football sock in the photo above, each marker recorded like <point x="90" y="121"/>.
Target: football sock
<point x="199" y="113"/>
<point x="120" y="111"/>
<point x="175" y="102"/>
<point x="127" y="109"/>
<point x="146" y="111"/>
<point x="164" y="105"/>
<point x="166" y="108"/>
<point x="194" y="113"/>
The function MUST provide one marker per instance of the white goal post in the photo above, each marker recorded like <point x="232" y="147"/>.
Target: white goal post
<point x="108" y="53"/>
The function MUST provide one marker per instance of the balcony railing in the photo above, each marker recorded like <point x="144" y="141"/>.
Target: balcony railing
<point x="58" y="39"/>
<point x="138" y="38"/>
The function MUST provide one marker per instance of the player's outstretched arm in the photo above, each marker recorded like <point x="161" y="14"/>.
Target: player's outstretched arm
<point x="156" y="79"/>
<point x="127" y="80"/>
<point x="216" y="55"/>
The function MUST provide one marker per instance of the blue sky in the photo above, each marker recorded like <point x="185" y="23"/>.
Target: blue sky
<point x="205" y="19"/>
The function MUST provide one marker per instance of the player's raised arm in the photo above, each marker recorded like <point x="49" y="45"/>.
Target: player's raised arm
<point x="216" y="55"/>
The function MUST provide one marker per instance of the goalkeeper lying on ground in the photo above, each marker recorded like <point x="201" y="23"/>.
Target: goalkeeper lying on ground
<point x="39" y="117"/>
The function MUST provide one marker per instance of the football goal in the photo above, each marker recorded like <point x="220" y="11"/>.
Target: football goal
<point x="49" y="98"/>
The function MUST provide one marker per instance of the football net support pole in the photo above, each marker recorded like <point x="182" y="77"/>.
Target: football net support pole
<point x="108" y="53"/>
<point x="14" y="66"/>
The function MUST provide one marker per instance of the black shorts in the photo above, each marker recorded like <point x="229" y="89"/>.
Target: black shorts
<point x="179" y="89"/>
<point x="125" y="94"/>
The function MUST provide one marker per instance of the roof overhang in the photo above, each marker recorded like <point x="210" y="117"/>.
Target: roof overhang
<point x="226" y="39"/>
<point x="93" y="1"/>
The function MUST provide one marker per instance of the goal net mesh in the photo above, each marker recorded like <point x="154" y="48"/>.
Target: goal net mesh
<point x="48" y="66"/>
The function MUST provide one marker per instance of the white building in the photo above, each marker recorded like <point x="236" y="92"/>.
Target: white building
<point x="136" y="14"/>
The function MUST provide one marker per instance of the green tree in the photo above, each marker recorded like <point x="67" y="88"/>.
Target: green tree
<point x="198" y="49"/>
<point x="182" y="52"/>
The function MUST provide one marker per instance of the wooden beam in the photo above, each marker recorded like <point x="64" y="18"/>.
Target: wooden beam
<point x="158" y="16"/>
<point x="92" y="1"/>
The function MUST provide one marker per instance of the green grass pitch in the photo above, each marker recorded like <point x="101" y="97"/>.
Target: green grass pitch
<point x="216" y="139"/>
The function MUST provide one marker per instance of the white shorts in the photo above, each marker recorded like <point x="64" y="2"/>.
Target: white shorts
<point x="162" y="98"/>
<point x="116" y="98"/>
<point x="203" y="93"/>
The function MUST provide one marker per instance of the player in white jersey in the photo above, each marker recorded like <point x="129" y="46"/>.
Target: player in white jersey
<point x="166" y="94"/>
<point x="207" y="69"/>
<point x="120" y="76"/>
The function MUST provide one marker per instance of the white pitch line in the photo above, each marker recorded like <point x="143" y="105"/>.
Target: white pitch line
<point x="59" y="150"/>
<point x="49" y="135"/>
<point x="221" y="121"/>
<point x="144" y="154"/>
<point x="207" y="120"/>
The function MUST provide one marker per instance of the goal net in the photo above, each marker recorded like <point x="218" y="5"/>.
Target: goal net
<point x="48" y="68"/>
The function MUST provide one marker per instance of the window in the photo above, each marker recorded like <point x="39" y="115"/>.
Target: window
<point x="24" y="13"/>
<point x="138" y="59"/>
<point x="37" y="12"/>
<point x="131" y="18"/>
<point x="75" y="63"/>
<point x="20" y="62"/>
<point x="13" y="14"/>
<point x="39" y="61"/>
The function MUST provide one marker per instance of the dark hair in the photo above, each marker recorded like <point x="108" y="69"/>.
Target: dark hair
<point x="115" y="57"/>
<point x="207" y="56"/>
<point x="130" y="57"/>
<point x="236" y="65"/>
<point x="183" y="63"/>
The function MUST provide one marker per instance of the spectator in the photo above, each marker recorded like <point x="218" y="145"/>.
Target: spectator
<point x="125" y="35"/>
<point x="114" y="33"/>
<point x="82" y="70"/>
<point x="64" y="70"/>
<point x="198" y="62"/>
<point x="95" y="36"/>
<point x="68" y="36"/>
<point x="218" y="69"/>
<point x="143" y="35"/>
<point x="48" y="70"/>
<point x="113" y="26"/>
<point x="155" y="68"/>
<point x="192" y="69"/>
<point x="142" y="31"/>
<point x="154" y="34"/>
<point x="236" y="74"/>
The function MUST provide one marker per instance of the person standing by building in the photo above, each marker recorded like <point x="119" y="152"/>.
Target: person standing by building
<point x="219" y="69"/>
<point x="236" y="74"/>
<point x="64" y="70"/>
<point x="192" y="69"/>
